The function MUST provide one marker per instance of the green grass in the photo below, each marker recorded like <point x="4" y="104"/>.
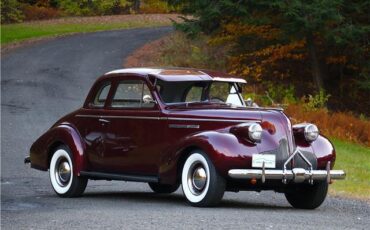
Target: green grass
<point x="355" y="160"/>
<point x="20" y="32"/>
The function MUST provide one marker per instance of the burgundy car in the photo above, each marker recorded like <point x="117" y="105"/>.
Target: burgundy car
<point x="175" y="126"/>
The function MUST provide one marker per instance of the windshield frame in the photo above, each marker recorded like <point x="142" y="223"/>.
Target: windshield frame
<point x="236" y="85"/>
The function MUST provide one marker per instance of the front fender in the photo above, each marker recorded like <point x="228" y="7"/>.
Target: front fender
<point x="324" y="151"/>
<point x="225" y="150"/>
<point x="322" y="148"/>
<point x="65" y="133"/>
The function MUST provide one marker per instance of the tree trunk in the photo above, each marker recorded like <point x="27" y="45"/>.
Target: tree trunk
<point x="315" y="66"/>
<point x="136" y="6"/>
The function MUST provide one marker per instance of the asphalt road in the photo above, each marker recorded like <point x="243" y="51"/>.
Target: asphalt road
<point x="42" y="82"/>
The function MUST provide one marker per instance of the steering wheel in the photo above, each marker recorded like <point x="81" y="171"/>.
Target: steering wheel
<point x="217" y="99"/>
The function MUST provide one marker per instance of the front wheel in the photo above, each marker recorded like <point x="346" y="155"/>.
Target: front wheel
<point x="62" y="178"/>
<point x="201" y="183"/>
<point x="306" y="196"/>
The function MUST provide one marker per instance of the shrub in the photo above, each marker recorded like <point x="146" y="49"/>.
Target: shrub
<point x="98" y="7"/>
<point x="281" y="93"/>
<point x="197" y="53"/>
<point x="177" y="50"/>
<point x="317" y="101"/>
<point x="155" y="6"/>
<point x="340" y="125"/>
<point x="10" y="11"/>
<point x="39" y="12"/>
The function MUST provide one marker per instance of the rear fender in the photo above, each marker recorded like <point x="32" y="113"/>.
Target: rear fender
<point x="41" y="151"/>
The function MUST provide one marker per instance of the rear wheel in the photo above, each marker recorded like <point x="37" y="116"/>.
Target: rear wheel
<point x="163" y="188"/>
<point x="201" y="183"/>
<point x="306" y="196"/>
<point x="65" y="183"/>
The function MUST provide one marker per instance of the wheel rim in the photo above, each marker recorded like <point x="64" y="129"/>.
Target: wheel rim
<point x="62" y="172"/>
<point x="197" y="178"/>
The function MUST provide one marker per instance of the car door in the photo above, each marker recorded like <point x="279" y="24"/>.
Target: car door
<point x="134" y="137"/>
<point x="93" y="128"/>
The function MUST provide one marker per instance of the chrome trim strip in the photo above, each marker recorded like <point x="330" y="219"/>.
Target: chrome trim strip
<point x="125" y="117"/>
<point x="230" y="79"/>
<point x="124" y="177"/>
<point x="88" y="116"/>
<point x="167" y="118"/>
<point x="207" y="119"/>
<point x="180" y="126"/>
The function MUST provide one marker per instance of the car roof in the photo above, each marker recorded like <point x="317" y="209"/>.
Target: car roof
<point x="179" y="74"/>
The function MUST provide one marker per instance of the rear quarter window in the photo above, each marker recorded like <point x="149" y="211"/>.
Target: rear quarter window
<point x="102" y="95"/>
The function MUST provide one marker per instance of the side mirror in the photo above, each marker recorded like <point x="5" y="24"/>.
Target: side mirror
<point x="249" y="102"/>
<point x="147" y="99"/>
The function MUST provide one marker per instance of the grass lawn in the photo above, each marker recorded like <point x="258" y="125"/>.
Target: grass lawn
<point x="355" y="160"/>
<point x="22" y="31"/>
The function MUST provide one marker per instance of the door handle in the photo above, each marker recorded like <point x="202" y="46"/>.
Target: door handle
<point x="103" y="120"/>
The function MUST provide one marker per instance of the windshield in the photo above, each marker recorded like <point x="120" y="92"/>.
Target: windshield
<point x="199" y="91"/>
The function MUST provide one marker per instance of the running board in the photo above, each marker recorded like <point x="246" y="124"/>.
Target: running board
<point x="124" y="177"/>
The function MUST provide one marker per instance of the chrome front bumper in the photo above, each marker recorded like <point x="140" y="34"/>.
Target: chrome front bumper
<point x="297" y="175"/>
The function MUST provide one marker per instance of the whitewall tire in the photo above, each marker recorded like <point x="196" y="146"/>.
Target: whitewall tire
<point x="62" y="178"/>
<point x="201" y="184"/>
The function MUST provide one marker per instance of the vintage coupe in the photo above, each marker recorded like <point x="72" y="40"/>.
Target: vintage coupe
<point x="191" y="127"/>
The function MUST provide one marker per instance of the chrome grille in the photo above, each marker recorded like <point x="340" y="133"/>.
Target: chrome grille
<point x="282" y="153"/>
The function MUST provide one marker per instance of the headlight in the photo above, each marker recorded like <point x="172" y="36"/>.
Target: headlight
<point x="249" y="131"/>
<point x="255" y="132"/>
<point x="311" y="132"/>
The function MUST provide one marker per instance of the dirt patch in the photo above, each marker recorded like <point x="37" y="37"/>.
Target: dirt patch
<point x="147" y="55"/>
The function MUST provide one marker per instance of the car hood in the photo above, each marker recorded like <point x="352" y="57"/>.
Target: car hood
<point x="268" y="117"/>
<point x="221" y="111"/>
<point x="211" y="112"/>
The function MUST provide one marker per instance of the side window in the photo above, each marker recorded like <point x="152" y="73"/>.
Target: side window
<point x="194" y="94"/>
<point x="130" y="94"/>
<point x="102" y="95"/>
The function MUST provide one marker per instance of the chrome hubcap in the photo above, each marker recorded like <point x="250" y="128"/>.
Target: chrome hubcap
<point x="197" y="178"/>
<point x="63" y="172"/>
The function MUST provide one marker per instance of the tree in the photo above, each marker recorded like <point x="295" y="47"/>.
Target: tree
<point x="135" y="5"/>
<point x="317" y="22"/>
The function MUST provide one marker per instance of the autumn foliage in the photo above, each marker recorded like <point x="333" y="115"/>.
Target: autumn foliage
<point x="13" y="11"/>
<point x="39" y="12"/>
<point x="263" y="57"/>
<point x="340" y="125"/>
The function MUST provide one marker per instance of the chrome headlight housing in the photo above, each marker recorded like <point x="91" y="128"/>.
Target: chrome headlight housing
<point x="249" y="131"/>
<point x="311" y="132"/>
<point x="255" y="132"/>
